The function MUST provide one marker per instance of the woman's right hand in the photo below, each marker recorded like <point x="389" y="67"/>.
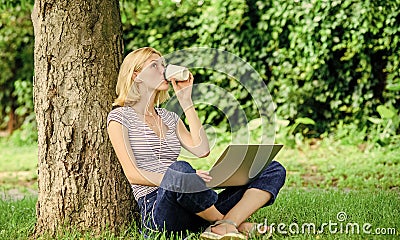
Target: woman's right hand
<point x="183" y="91"/>
<point x="205" y="175"/>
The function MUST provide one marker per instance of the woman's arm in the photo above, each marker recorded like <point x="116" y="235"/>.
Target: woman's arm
<point x="119" y="138"/>
<point x="195" y="140"/>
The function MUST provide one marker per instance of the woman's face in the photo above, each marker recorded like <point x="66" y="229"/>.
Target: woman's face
<point x="152" y="74"/>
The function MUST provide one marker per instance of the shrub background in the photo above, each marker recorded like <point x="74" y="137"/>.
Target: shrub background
<point x="333" y="61"/>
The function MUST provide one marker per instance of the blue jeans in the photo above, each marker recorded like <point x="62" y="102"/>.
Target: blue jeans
<point x="175" y="211"/>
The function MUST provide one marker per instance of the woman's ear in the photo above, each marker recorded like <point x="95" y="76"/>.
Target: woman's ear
<point x="135" y="78"/>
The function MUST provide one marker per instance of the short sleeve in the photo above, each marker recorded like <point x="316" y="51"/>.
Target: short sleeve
<point x="119" y="115"/>
<point x="170" y="118"/>
<point x="175" y="118"/>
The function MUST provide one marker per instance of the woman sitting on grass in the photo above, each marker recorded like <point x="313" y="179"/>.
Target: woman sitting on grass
<point x="172" y="196"/>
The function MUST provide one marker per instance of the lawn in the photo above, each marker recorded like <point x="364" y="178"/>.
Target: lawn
<point x="18" y="169"/>
<point x="333" y="191"/>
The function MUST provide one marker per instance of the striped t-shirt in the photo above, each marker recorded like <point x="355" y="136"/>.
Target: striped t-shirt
<point x="151" y="153"/>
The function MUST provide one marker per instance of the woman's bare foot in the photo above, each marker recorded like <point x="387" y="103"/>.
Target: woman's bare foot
<point x="224" y="228"/>
<point x="245" y="227"/>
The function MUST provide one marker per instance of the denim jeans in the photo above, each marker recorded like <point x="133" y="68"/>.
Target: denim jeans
<point x="175" y="211"/>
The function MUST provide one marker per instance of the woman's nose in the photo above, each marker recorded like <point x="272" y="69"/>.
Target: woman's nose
<point x="162" y="69"/>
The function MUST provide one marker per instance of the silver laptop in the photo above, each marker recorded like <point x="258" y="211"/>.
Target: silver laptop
<point x="240" y="164"/>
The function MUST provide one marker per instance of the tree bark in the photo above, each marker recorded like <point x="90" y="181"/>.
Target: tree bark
<point x="11" y="121"/>
<point x="78" y="50"/>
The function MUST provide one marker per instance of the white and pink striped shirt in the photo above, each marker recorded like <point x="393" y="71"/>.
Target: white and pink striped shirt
<point x="151" y="153"/>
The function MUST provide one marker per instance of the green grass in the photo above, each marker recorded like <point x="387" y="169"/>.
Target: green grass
<point x="294" y="207"/>
<point x="343" y="167"/>
<point x="17" y="218"/>
<point x="18" y="166"/>
<point x="298" y="207"/>
<point x="324" y="179"/>
<point x="327" y="164"/>
<point x="21" y="158"/>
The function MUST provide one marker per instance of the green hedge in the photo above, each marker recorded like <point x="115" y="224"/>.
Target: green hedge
<point x="332" y="61"/>
<point x="16" y="61"/>
<point x="336" y="62"/>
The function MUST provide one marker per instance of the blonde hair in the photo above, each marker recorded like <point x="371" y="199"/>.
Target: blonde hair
<point x="127" y="89"/>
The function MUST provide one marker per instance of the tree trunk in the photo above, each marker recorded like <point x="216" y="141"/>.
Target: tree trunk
<point x="78" y="50"/>
<point x="11" y="120"/>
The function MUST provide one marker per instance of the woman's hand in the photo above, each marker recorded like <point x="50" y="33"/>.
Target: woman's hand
<point x="204" y="175"/>
<point x="183" y="91"/>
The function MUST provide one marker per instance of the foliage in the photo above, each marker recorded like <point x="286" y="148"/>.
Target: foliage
<point x="334" y="62"/>
<point x="16" y="62"/>
<point x="164" y="25"/>
<point x="384" y="128"/>
<point x="330" y="61"/>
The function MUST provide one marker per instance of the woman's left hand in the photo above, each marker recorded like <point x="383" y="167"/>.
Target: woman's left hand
<point x="183" y="91"/>
<point x="204" y="175"/>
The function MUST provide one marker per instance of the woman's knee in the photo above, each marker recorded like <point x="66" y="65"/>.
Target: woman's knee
<point x="278" y="173"/>
<point x="182" y="166"/>
<point x="181" y="177"/>
<point x="275" y="170"/>
<point x="278" y="167"/>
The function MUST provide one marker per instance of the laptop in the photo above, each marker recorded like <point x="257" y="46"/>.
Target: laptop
<point x="240" y="164"/>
